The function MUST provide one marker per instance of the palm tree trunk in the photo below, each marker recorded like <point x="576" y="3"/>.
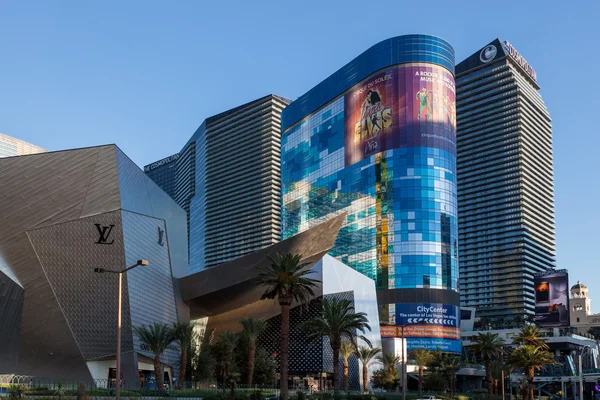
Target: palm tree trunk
<point x="182" y="368"/>
<point x="365" y="378"/>
<point x="336" y="369"/>
<point x="285" y="343"/>
<point x="157" y="374"/>
<point x="453" y="385"/>
<point x="420" y="380"/>
<point x="346" y="375"/>
<point x="251" y="355"/>
<point x="488" y="376"/>
<point x="530" y="386"/>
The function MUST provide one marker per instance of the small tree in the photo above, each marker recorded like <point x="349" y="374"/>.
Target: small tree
<point x="422" y="357"/>
<point x="346" y="350"/>
<point x="158" y="337"/>
<point x="286" y="279"/>
<point x="487" y="346"/>
<point x="15" y="391"/>
<point x="531" y="335"/>
<point x="450" y="366"/>
<point x="385" y="379"/>
<point x="265" y="367"/>
<point x="183" y="334"/>
<point x="436" y="381"/>
<point x="366" y="355"/>
<point x="203" y="367"/>
<point x="60" y="390"/>
<point x="224" y="356"/>
<point x="252" y="328"/>
<point x="530" y="359"/>
<point x="339" y="322"/>
<point x="594" y="331"/>
<point x="389" y="361"/>
<point x="389" y="374"/>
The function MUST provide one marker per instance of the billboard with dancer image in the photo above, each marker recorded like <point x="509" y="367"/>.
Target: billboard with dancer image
<point x="404" y="106"/>
<point x="552" y="299"/>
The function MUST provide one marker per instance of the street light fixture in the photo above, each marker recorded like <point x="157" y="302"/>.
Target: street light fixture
<point x="583" y="350"/>
<point x="403" y="367"/>
<point x="142" y="263"/>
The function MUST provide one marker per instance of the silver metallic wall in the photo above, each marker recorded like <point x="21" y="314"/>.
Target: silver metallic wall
<point x="65" y="213"/>
<point x="11" y="314"/>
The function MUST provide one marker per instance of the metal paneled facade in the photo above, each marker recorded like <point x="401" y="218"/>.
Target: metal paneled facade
<point x="11" y="315"/>
<point x="66" y="213"/>
<point x="228" y="180"/>
<point x="401" y="227"/>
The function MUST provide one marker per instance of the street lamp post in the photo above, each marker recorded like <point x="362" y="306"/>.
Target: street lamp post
<point x="143" y="263"/>
<point x="581" y="371"/>
<point x="403" y="364"/>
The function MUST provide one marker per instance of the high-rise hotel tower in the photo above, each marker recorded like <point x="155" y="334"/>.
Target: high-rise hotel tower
<point x="227" y="178"/>
<point x="505" y="182"/>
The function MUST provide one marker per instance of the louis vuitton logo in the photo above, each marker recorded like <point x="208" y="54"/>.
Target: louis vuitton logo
<point x="104" y="232"/>
<point x="161" y="233"/>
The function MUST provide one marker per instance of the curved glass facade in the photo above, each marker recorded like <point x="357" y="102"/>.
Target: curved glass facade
<point x="382" y="148"/>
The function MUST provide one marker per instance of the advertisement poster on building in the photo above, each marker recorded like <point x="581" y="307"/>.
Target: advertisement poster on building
<point x="413" y="105"/>
<point x="371" y="116"/>
<point x="552" y="299"/>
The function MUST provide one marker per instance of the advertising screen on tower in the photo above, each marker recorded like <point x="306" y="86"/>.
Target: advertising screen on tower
<point x="403" y="106"/>
<point x="552" y="299"/>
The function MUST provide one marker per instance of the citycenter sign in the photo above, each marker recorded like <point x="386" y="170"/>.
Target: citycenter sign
<point x="522" y="62"/>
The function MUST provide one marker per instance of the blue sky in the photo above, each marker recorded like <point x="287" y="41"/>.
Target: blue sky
<point x="145" y="74"/>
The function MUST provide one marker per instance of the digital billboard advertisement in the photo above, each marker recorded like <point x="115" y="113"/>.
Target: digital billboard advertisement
<point x="552" y="298"/>
<point x="427" y="325"/>
<point x="404" y="106"/>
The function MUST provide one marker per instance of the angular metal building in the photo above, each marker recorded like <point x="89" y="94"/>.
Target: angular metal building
<point x="227" y="292"/>
<point x="65" y="213"/>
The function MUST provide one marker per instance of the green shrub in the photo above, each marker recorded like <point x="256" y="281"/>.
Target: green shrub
<point x="15" y="391"/>
<point x="257" y="395"/>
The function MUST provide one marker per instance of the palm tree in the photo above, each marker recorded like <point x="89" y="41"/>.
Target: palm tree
<point x="286" y="279"/>
<point x="346" y="350"/>
<point x="530" y="359"/>
<point x="226" y="345"/>
<point x="389" y="361"/>
<point x="366" y="355"/>
<point x="339" y="322"/>
<point x="183" y="334"/>
<point x="158" y="337"/>
<point x="531" y="335"/>
<point x="451" y="365"/>
<point x="252" y="328"/>
<point x="487" y="346"/>
<point x="422" y="357"/>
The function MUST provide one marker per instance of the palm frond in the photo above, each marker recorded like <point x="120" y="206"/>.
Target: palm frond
<point x="252" y="327"/>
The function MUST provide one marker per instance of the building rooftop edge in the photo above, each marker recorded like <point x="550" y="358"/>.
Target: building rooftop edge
<point x="388" y="52"/>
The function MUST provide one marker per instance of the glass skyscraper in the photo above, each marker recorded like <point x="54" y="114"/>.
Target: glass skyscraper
<point x="505" y="182"/>
<point x="228" y="179"/>
<point x="163" y="173"/>
<point x="377" y="141"/>
<point x="9" y="147"/>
